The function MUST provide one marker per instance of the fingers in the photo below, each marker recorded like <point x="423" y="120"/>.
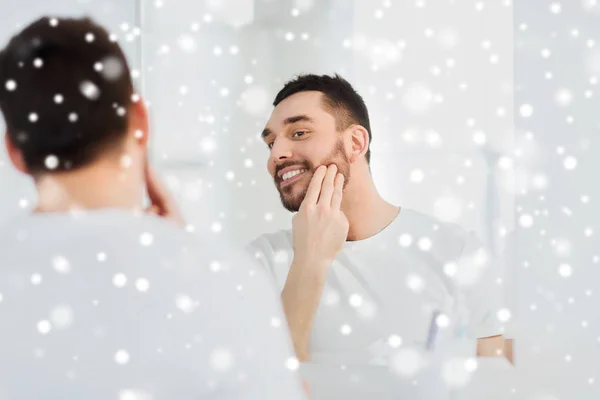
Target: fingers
<point x="336" y="199"/>
<point x="327" y="187"/>
<point x="314" y="187"/>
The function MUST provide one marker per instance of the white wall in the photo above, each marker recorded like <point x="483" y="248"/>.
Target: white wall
<point x="559" y="323"/>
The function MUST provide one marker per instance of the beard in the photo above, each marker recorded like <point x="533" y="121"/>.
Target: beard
<point x="292" y="196"/>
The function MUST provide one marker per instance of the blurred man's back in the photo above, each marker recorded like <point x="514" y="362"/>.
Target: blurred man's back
<point x="98" y="298"/>
<point x="109" y="305"/>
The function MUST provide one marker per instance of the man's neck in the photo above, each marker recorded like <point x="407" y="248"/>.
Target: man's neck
<point x="94" y="187"/>
<point x="367" y="212"/>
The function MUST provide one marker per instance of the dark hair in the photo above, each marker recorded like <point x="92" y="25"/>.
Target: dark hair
<point x="340" y="99"/>
<point x="65" y="89"/>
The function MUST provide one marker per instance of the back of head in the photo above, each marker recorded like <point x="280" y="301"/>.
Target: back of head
<point x="65" y="93"/>
<point x="339" y="97"/>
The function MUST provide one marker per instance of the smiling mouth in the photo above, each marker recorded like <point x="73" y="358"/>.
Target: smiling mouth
<point x="290" y="177"/>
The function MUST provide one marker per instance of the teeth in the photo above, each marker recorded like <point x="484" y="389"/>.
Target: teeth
<point x="291" y="174"/>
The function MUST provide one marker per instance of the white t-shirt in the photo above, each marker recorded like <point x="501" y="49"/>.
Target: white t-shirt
<point x="419" y="292"/>
<point x="110" y="305"/>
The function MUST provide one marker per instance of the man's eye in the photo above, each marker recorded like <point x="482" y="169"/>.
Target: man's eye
<point x="299" y="133"/>
<point x="270" y="145"/>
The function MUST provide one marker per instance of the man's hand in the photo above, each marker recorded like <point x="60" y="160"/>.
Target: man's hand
<point x="319" y="232"/>
<point x="320" y="228"/>
<point x="162" y="203"/>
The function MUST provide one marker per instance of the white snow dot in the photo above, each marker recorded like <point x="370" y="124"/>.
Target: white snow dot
<point x="38" y="63"/>
<point x="565" y="270"/>
<point x="101" y="257"/>
<point x="89" y="37"/>
<point x="275" y="322"/>
<point x="61" y="316"/>
<point x="51" y="162"/>
<point x="216" y="227"/>
<point x="526" y="221"/>
<point x="415" y="283"/>
<point x="346" y="329"/>
<point x="471" y="364"/>
<point x="355" y="300"/>
<point x="142" y="284"/>
<point x="526" y="110"/>
<point x="564" y="97"/>
<point x="61" y="264"/>
<point x="417" y="176"/>
<point x="407" y="362"/>
<point x="292" y="363"/>
<point x="33" y="117"/>
<point x="570" y="163"/>
<point x="122" y="357"/>
<point x="119" y="280"/>
<point x="44" y="327"/>
<point x="417" y="99"/>
<point x="479" y="138"/>
<point x="53" y="22"/>
<point x="187" y="43"/>
<point x="405" y="240"/>
<point x="36" y="279"/>
<point x="112" y="68"/>
<point x="126" y="161"/>
<point x="450" y="269"/>
<point x="215" y="266"/>
<point x="442" y="320"/>
<point x="73" y="117"/>
<point x="395" y="341"/>
<point x="184" y="303"/>
<point x="425" y="244"/>
<point x="503" y="315"/>
<point x="585" y="199"/>
<point x="10" y="85"/>
<point x="221" y="360"/>
<point x="146" y="239"/>
<point x="555" y="8"/>
<point x="89" y="90"/>
<point x="58" y="98"/>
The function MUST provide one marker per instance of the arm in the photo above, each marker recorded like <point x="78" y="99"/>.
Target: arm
<point x="319" y="231"/>
<point x="495" y="346"/>
<point x="301" y="295"/>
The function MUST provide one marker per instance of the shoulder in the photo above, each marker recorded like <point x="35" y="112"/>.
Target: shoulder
<point x="446" y="239"/>
<point x="271" y="242"/>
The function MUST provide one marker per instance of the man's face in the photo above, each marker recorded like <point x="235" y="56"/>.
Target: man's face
<point x="301" y="136"/>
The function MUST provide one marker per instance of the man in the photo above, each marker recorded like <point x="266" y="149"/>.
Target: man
<point x="359" y="276"/>
<point x="99" y="300"/>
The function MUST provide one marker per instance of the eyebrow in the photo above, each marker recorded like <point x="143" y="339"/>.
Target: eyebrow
<point x="288" y="121"/>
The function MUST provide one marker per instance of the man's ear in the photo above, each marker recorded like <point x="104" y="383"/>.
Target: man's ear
<point x="359" y="138"/>
<point x="139" y="121"/>
<point x="15" y="155"/>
